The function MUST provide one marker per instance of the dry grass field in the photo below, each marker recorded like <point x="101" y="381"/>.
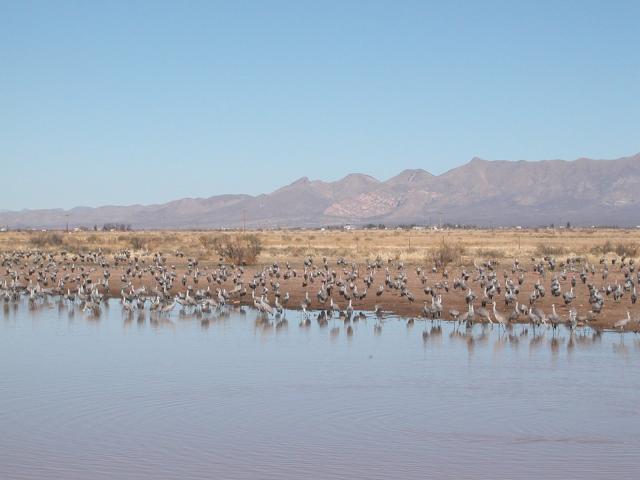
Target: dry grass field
<point x="411" y="246"/>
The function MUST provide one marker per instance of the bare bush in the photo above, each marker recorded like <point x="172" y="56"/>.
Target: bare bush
<point x="620" y="249"/>
<point x="93" y="239"/>
<point x="445" y="253"/>
<point x="546" y="250"/>
<point x="240" y="249"/>
<point x="46" y="239"/>
<point x="208" y="241"/>
<point x="490" y="253"/>
<point x="626" y="249"/>
<point x="137" y="242"/>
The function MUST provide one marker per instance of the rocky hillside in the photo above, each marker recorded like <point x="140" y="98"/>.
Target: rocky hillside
<point x="482" y="192"/>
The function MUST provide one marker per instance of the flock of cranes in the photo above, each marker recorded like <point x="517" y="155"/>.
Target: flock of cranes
<point x="484" y="293"/>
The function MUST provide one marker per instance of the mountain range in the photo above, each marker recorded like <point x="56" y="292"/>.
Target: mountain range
<point x="481" y="192"/>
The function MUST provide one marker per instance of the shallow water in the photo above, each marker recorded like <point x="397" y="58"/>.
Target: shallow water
<point x="124" y="397"/>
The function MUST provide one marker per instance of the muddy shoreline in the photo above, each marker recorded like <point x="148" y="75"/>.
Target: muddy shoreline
<point x="390" y="301"/>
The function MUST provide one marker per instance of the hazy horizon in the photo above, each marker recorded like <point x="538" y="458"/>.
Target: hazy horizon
<point x="293" y="180"/>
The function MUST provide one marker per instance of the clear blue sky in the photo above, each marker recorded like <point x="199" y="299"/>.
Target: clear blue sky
<point x="141" y="102"/>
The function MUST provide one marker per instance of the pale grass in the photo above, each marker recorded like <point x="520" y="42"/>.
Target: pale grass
<point x="410" y="246"/>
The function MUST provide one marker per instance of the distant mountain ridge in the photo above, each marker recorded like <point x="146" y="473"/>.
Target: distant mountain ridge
<point x="481" y="192"/>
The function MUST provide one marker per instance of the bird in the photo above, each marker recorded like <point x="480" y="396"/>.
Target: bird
<point x="498" y="316"/>
<point x="623" y="323"/>
<point x="554" y="318"/>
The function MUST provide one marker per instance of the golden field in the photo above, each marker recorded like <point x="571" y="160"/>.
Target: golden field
<point x="410" y="246"/>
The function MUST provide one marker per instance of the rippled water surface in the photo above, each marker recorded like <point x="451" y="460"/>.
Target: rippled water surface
<point x="127" y="397"/>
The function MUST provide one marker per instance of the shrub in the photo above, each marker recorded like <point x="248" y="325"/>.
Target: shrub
<point x="240" y="249"/>
<point x="490" y="253"/>
<point x="626" y="249"/>
<point x="137" y="243"/>
<point x="620" y="249"/>
<point x="93" y="239"/>
<point x="445" y="254"/>
<point x="46" y="239"/>
<point x="545" y="250"/>
<point x="208" y="241"/>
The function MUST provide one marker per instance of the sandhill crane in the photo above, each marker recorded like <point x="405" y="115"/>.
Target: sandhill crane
<point x="572" y="321"/>
<point x="166" y="309"/>
<point x="498" y="316"/>
<point x="333" y="308"/>
<point x="426" y="310"/>
<point x="264" y="306"/>
<point x="533" y="318"/>
<point x="279" y="308"/>
<point x="484" y="314"/>
<point x="623" y="323"/>
<point x="554" y="318"/>
<point x="470" y="297"/>
<point x="514" y="315"/>
<point x="436" y="306"/>
<point x="349" y="310"/>
<point x="469" y="317"/>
